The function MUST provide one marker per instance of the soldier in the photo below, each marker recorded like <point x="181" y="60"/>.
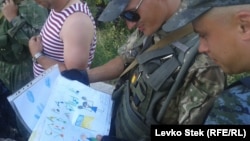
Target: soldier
<point x="224" y="30"/>
<point x="19" y="20"/>
<point x="18" y="24"/>
<point x="163" y="80"/>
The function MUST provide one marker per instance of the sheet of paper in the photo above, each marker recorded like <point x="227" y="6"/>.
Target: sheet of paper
<point x="30" y="100"/>
<point x="74" y="112"/>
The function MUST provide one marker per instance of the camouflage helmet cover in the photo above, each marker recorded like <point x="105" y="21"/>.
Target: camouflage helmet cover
<point x="192" y="9"/>
<point x="113" y="10"/>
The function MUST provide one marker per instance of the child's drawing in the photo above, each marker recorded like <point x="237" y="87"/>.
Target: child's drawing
<point x="89" y="105"/>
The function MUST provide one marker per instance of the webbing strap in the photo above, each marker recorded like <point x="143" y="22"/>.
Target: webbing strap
<point x="154" y="54"/>
<point x="169" y="38"/>
<point x="164" y="71"/>
<point x="188" y="59"/>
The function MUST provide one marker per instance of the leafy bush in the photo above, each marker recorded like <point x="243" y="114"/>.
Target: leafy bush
<point x="110" y="35"/>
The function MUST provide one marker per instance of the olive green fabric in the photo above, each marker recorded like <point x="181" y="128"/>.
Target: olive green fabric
<point x="15" y="59"/>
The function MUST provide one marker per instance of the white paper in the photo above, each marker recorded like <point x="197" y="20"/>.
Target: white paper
<point x="30" y="100"/>
<point x="74" y="112"/>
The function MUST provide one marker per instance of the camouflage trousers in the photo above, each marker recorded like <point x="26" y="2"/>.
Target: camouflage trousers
<point x="15" y="76"/>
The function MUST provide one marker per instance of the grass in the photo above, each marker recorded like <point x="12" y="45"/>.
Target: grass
<point x="109" y="38"/>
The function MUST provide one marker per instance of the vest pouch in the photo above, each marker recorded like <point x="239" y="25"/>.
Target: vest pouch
<point x="118" y="91"/>
<point x="129" y="123"/>
<point x="158" y="68"/>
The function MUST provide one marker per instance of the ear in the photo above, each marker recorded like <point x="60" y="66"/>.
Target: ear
<point x="244" y="23"/>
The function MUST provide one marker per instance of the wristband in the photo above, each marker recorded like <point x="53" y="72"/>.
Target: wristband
<point x="36" y="56"/>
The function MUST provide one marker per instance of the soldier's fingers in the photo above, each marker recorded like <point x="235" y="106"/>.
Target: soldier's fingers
<point x="98" y="137"/>
<point x="38" y="38"/>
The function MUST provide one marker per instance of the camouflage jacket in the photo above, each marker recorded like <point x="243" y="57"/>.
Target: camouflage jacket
<point x="191" y="102"/>
<point x="232" y="106"/>
<point x="14" y="35"/>
<point x="15" y="59"/>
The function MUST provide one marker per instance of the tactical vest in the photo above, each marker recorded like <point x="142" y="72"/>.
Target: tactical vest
<point x="142" y="88"/>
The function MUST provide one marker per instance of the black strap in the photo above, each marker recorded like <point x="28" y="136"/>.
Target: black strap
<point x="179" y="78"/>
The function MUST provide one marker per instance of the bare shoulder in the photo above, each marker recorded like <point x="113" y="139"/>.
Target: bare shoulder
<point x="78" y="22"/>
<point x="79" y="18"/>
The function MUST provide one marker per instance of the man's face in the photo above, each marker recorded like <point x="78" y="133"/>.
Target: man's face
<point x="151" y="14"/>
<point x="218" y="39"/>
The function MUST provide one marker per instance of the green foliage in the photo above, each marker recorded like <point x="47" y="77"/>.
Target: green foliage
<point x="110" y="36"/>
<point x="92" y="6"/>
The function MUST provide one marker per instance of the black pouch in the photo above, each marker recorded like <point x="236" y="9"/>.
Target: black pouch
<point x="158" y="68"/>
<point x="129" y="123"/>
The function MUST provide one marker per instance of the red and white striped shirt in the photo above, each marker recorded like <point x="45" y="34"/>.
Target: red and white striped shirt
<point x="52" y="44"/>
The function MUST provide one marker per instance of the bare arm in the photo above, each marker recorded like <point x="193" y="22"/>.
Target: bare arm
<point x="77" y="34"/>
<point x="108" y="71"/>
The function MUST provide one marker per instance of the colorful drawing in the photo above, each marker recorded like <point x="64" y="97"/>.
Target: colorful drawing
<point x="48" y="82"/>
<point x="85" y="138"/>
<point x="56" y="119"/>
<point x="73" y="114"/>
<point x="69" y="105"/>
<point x="84" y="121"/>
<point x="88" y="105"/>
<point x="39" y="108"/>
<point x="55" y="131"/>
<point x="30" y="96"/>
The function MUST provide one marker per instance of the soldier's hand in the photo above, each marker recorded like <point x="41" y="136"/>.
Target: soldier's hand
<point x="98" y="137"/>
<point x="9" y="10"/>
<point x="35" y="45"/>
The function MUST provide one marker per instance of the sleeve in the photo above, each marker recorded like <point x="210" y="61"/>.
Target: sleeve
<point x="28" y="23"/>
<point x="75" y="74"/>
<point x="204" y="82"/>
<point x="232" y="106"/>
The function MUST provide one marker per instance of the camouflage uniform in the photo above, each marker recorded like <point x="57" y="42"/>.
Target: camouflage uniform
<point x="15" y="60"/>
<point x="232" y="106"/>
<point x="203" y="82"/>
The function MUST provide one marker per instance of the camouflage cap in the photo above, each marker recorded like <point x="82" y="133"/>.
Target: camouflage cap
<point x="113" y="10"/>
<point x="192" y="9"/>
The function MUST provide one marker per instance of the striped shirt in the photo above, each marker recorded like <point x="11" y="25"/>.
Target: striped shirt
<point x="52" y="44"/>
